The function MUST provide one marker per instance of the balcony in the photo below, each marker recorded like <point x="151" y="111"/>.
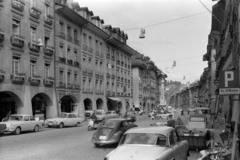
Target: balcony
<point x="2" y="34"/>
<point x="69" y="62"/>
<point x="76" y="64"/>
<point x="18" y="78"/>
<point x="97" y="53"/>
<point x="108" y="56"/>
<point x="90" y="72"/>
<point x="48" y="82"/>
<point x="2" y="75"/>
<point x="62" y="35"/>
<point x="33" y="46"/>
<point x="70" y="86"/>
<point x="48" y="19"/>
<point x="76" y="41"/>
<point x="113" y="58"/>
<point x="35" y="80"/>
<point x="35" y="12"/>
<point x="84" y="71"/>
<point x="90" y="50"/>
<point x="48" y="50"/>
<point x="113" y="76"/>
<point x="85" y="47"/>
<point x="62" y="85"/>
<point x="18" y="4"/>
<point x="17" y="40"/>
<point x="69" y="38"/>
<point x="62" y="59"/>
<point x="108" y="75"/>
<point x="76" y="86"/>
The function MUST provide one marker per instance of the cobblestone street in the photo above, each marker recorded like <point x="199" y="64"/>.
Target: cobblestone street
<point x="70" y="143"/>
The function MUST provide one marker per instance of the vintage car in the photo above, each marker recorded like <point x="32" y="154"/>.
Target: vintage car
<point x="88" y="113"/>
<point x="198" y="122"/>
<point x="110" y="131"/>
<point x="150" y="143"/>
<point x="65" y="119"/>
<point x="101" y="115"/>
<point x="160" y="120"/>
<point x="112" y="114"/>
<point x="205" y="111"/>
<point x="18" y="123"/>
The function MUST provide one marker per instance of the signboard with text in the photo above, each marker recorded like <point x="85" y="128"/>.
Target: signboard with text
<point x="229" y="82"/>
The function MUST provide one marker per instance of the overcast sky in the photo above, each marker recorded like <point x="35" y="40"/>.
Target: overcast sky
<point x="183" y="40"/>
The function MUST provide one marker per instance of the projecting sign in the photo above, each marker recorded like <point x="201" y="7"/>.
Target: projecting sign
<point x="229" y="82"/>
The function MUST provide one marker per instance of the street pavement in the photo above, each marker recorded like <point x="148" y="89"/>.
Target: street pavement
<point x="72" y="143"/>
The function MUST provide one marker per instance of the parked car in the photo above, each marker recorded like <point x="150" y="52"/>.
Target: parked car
<point x="88" y="113"/>
<point x="151" y="143"/>
<point x="65" y="119"/>
<point x="18" y="123"/>
<point x="101" y="115"/>
<point x="112" y="114"/>
<point x="110" y="131"/>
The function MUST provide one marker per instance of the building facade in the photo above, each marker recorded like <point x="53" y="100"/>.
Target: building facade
<point x="27" y="59"/>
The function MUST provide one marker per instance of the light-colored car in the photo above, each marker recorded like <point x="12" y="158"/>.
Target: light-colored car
<point x="18" y="123"/>
<point x="150" y="143"/>
<point x="65" y="119"/>
<point x="112" y="114"/>
<point x="101" y="115"/>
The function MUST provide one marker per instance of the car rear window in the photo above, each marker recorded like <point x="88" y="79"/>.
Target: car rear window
<point x="109" y="124"/>
<point x="197" y="119"/>
<point x="104" y="131"/>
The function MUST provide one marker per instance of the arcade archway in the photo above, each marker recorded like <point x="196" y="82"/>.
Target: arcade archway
<point x="40" y="103"/>
<point x="67" y="104"/>
<point x="87" y="104"/>
<point x="9" y="104"/>
<point x="144" y="106"/>
<point x="99" y="103"/>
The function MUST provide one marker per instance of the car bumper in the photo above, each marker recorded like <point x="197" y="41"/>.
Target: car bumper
<point x="52" y="124"/>
<point x="105" y="142"/>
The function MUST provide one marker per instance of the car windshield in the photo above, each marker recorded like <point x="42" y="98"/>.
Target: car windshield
<point x="15" y="118"/>
<point x="108" y="112"/>
<point x="104" y="131"/>
<point x="197" y="119"/>
<point x="63" y="115"/>
<point x="99" y="113"/>
<point x="144" y="139"/>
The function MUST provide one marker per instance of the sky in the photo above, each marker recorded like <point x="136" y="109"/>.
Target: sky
<point x="183" y="40"/>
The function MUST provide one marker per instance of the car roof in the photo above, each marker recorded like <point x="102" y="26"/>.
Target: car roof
<point x="161" y="130"/>
<point x="203" y="108"/>
<point x="21" y="115"/>
<point x="198" y="115"/>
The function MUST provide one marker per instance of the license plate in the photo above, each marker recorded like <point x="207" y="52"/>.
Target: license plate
<point x="102" y="137"/>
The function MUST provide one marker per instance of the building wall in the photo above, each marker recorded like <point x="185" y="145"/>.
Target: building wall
<point x="23" y="93"/>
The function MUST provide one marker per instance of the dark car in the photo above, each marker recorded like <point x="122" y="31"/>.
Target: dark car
<point x="111" y="131"/>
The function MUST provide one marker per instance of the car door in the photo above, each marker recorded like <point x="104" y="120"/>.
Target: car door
<point x="26" y="125"/>
<point x="33" y="122"/>
<point x="175" y="145"/>
<point x="74" y="120"/>
<point x="68" y="120"/>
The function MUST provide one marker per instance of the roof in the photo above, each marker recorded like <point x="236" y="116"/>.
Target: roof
<point x="162" y="130"/>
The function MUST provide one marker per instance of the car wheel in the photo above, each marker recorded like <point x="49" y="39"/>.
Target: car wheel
<point x="78" y="124"/>
<point x="36" y="129"/>
<point x="17" y="131"/>
<point x="96" y="145"/>
<point x="61" y="125"/>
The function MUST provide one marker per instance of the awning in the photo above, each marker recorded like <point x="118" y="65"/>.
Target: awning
<point x="114" y="98"/>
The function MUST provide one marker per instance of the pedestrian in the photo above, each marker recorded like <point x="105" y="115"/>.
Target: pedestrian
<point x="152" y="116"/>
<point x="182" y="112"/>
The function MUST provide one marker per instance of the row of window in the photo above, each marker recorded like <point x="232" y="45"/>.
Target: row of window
<point x="33" y="67"/>
<point x="69" y="75"/>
